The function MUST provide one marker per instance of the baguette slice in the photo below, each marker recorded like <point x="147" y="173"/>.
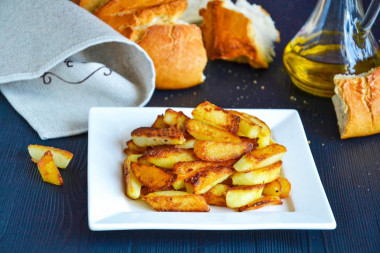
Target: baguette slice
<point x="357" y="104"/>
<point x="239" y="32"/>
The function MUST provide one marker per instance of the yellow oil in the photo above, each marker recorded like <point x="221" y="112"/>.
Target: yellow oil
<point x="304" y="64"/>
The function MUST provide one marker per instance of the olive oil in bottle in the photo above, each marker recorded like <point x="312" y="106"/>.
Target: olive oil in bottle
<point x="312" y="66"/>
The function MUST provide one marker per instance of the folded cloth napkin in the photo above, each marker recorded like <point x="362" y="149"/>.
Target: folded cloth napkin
<point x="57" y="61"/>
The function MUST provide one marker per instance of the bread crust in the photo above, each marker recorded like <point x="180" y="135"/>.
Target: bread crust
<point x="227" y="35"/>
<point x="130" y="17"/>
<point x="180" y="59"/>
<point x="357" y="104"/>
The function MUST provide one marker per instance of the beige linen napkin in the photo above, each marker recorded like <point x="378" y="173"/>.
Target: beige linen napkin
<point x="57" y="61"/>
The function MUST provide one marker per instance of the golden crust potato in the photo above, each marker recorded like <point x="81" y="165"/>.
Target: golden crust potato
<point x="220" y="151"/>
<point x="216" y="195"/>
<point x="159" y="122"/>
<point x="61" y="157"/>
<point x="205" y="180"/>
<point x="166" y="157"/>
<point x="189" y="143"/>
<point x="132" y="186"/>
<point x="216" y="116"/>
<point x="285" y="187"/>
<point x="175" y="119"/>
<point x="202" y="131"/>
<point x="247" y="127"/>
<point x="149" y="136"/>
<point x="48" y="170"/>
<point x="134" y="148"/>
<point x="260" y="157"/>
<point x="186" y="170"/>
<point x="272" y="189"/>
<point x="261" y="202"/>
<point x="259" y="176"/>
<point x="176" y="201"/>
<point x="239" y="196"/>
<point x="152" y="176"/>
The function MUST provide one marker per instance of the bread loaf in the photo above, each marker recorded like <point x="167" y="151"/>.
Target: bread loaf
<point x="357" y="103"/>
<point x="178" y="54"/>
<point x="242" y="32"/>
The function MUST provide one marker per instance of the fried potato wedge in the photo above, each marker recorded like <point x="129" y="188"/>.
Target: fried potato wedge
<point x="216" y="195"/>
<point x="159" y="122"/>
<point x="61" y="157"/>
<point x="272" y="189"/>
<point x="48" y="170"/>
<point x="152" y="176"/>
<point x="175" y="119"/>
<point x="189" y="144"/>
<point x="176" y="201"/>
<point x="128" y="161"/>
<point x="134" y="148"/>
<point x="216" y="116"/>
<point x="239" y="196"/>
<point x="91" y="5"/>
<point x="247" y="127"/>
<point x="185" y="170"/>
<point x="205" y="180"/>
<point x="260" y="157"/>
<point x="166" y="157"/>
<point x="149" y="136"/>
<point x="202" y="131"/>
<point x="220" y="151"/>
<point x="261" y="202"/>
<point x="285" y="187"/>
<point x="259" y="176"/>
<point x="132" y="186"/>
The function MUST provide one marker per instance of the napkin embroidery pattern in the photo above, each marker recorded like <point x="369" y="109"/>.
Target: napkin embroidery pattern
<point x="47" y="76"/>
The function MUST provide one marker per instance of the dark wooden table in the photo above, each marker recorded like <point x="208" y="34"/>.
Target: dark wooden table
<point x="39" y="217"/>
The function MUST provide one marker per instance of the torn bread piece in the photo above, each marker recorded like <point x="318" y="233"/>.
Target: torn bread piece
<point x="239" y="32"/>
<point x="357" y="104"/>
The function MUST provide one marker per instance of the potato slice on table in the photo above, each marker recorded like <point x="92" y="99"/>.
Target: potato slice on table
<point x="61" y="157"/>
<point x="202" y="131"/>
<point x="149" y="136"/>
<point x="152" y="176"/>
<point x="166" y="157"/>
<point x="48" y="170"/>
<point x="220" y="151"/>
<point x="216" y="195"/>
<point x="259" y="176"/>
<point x="216" y="116"/>
<point x="176" y="201"/>
<point x="260" y="157"/>
<point x="175" y="119"/>
<point x="205" y="180"/>
<point x="239" y="196"/>
<point x="261" y="202"/>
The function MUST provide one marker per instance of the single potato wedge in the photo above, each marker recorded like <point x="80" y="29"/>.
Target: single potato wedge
<point x="175" y="119"/>
<point x="260" y="157"/>
<point x="176" y="201"/>
<point x="152" y="176"/>
<point x="216" y="195"/>
<point x="48" y="170"/>
<point x="166" y="157"/>
<point x="132" y="185"/>
<point x="272" y="189"/>
<point x="149" y="136"/>
<point x="61" y="157"/>
<point x="159" y="122"/>
<point x="202" y="131"/>
<point x="205" y="180"/>
<point x="247" y="127"/>
<point x="261" y="202"/>
<point x="239" y="196"/>
<point x="259" y="176"/>
<point x="285" y="187"/>
<point x="216" y="116"/>
<point x="220" y="151"/>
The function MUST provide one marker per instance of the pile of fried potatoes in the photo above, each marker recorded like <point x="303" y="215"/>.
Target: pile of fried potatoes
<point x="218" y="157"/>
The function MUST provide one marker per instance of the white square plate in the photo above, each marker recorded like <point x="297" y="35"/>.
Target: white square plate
<point x="307" y="206"/>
